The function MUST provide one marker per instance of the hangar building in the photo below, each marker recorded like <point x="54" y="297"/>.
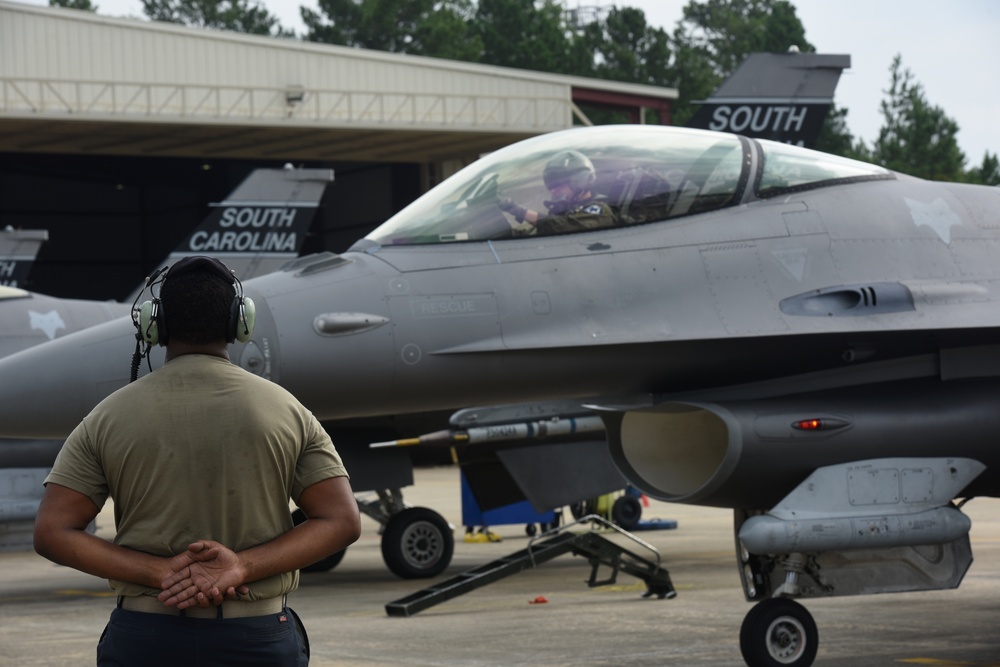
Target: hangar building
<point x="116" y="134"/>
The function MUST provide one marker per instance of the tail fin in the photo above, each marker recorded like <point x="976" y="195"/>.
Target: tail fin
<point x="18" y="249"/>
<point x="779" y="96"/>
<point x="262" y="224"/>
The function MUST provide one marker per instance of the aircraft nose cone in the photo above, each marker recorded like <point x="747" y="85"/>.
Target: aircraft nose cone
<point x="46" y="390"/>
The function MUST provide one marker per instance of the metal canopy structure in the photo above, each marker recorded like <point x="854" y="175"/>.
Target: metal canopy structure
<point x="73" y="82"/>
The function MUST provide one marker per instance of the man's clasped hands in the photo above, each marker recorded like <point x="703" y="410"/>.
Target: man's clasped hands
<point x="206" y="575"/>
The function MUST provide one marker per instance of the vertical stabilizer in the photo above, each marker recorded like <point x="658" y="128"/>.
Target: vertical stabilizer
<point x="262" y="224"/>
<point x="18" y="249"/>
<point x="779" y="96"/>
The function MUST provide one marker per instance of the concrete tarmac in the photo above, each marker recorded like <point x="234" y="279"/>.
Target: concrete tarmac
<point x="50" y="615"/>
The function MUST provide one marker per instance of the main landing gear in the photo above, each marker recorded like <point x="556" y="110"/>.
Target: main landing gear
<point x="417" y="542"/>
<point x="779" y="632"/>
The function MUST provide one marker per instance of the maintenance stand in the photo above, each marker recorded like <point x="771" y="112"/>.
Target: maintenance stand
<point x="596" y="549"/>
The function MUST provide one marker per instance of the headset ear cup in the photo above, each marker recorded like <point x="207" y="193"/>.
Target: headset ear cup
<point x="244" y="327"/>
<point x="149" y="325"/>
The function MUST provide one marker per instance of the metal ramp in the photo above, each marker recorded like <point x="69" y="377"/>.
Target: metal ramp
<point x="598" y="550"/>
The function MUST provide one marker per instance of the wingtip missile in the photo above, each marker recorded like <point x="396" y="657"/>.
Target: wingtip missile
<point x="445" y="437"/>
<point x="502" y="432"/>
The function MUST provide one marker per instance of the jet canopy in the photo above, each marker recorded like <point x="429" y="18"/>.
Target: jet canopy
<point x="614" y="175"/>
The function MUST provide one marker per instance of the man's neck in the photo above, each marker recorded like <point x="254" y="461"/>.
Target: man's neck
<point x="180" y="348"/>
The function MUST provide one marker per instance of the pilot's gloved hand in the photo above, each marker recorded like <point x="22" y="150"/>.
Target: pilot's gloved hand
<point x="510" y="206"/>
<point x="558" y="207"/>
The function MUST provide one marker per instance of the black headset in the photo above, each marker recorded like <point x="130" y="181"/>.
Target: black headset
<point x="151" y="322"/>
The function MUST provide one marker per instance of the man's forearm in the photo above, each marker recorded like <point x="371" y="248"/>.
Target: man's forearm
<point x="305" y="544"/>
<point x="61" y="536"/>
<point x="332" y="524"/>
<point x="91" y="554"/>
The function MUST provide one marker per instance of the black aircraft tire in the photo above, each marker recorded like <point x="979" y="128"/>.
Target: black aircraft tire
<point x="626" y="512"/>
<point x="777" y="633"/>
<point x="324" y="564"/>
<point x="417" y="543"/>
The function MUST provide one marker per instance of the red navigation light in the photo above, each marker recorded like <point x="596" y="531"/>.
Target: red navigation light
<point x="808" y="424"/>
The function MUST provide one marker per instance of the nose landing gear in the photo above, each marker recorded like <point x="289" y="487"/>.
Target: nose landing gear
<point x="778" y="632"/>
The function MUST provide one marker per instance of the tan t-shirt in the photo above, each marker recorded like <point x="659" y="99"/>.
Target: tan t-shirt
<point x="199" y="449"/>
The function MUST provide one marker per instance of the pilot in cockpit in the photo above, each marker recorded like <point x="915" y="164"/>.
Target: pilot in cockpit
<point x="569" y="177"/>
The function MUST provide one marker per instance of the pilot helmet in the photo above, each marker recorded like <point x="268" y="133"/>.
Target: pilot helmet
<point x="572" y="168"/>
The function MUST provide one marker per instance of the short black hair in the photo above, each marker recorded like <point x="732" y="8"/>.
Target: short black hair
<point x="197" y="305"/>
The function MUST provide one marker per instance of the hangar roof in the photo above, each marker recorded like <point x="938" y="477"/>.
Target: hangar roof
<point x="80" y="83"/>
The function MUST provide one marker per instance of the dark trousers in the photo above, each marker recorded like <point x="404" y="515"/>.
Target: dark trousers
<point x="136" y="639"/>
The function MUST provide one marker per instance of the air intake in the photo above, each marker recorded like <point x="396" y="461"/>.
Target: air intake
<point x="851" y="300"/>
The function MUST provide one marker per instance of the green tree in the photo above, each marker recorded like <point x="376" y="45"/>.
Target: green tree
<point x="693" y="77"/>
<point x="417" y="27"/>
<point x="715" y="36"/>
<point x="85" y="5"/>
<point x="916" y="137"/>
<point x="529" y="35"/>
<point x="247" y="16"/>
<point x="446" y="33"/>
<point x="987" y="173"/>
<point x="835" y="137"/>
<point x="617" y="44"/>
<point x="626" y="48"/>
<point x="383" y="25"/>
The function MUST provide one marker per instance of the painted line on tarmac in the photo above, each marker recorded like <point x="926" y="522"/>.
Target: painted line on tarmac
<point x="81" y="593"/>
<point x="934" y="662"/>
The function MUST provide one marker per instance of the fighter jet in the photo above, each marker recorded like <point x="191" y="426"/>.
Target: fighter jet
<point x="806" y="339"/>
<point x="261" y="225"/>
<point x="779" y="92"/>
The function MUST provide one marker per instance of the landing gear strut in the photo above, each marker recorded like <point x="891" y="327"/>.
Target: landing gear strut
<point x="777" y="632"/>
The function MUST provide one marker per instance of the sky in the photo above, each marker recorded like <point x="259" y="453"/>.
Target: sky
<point x="952" y="48"/>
